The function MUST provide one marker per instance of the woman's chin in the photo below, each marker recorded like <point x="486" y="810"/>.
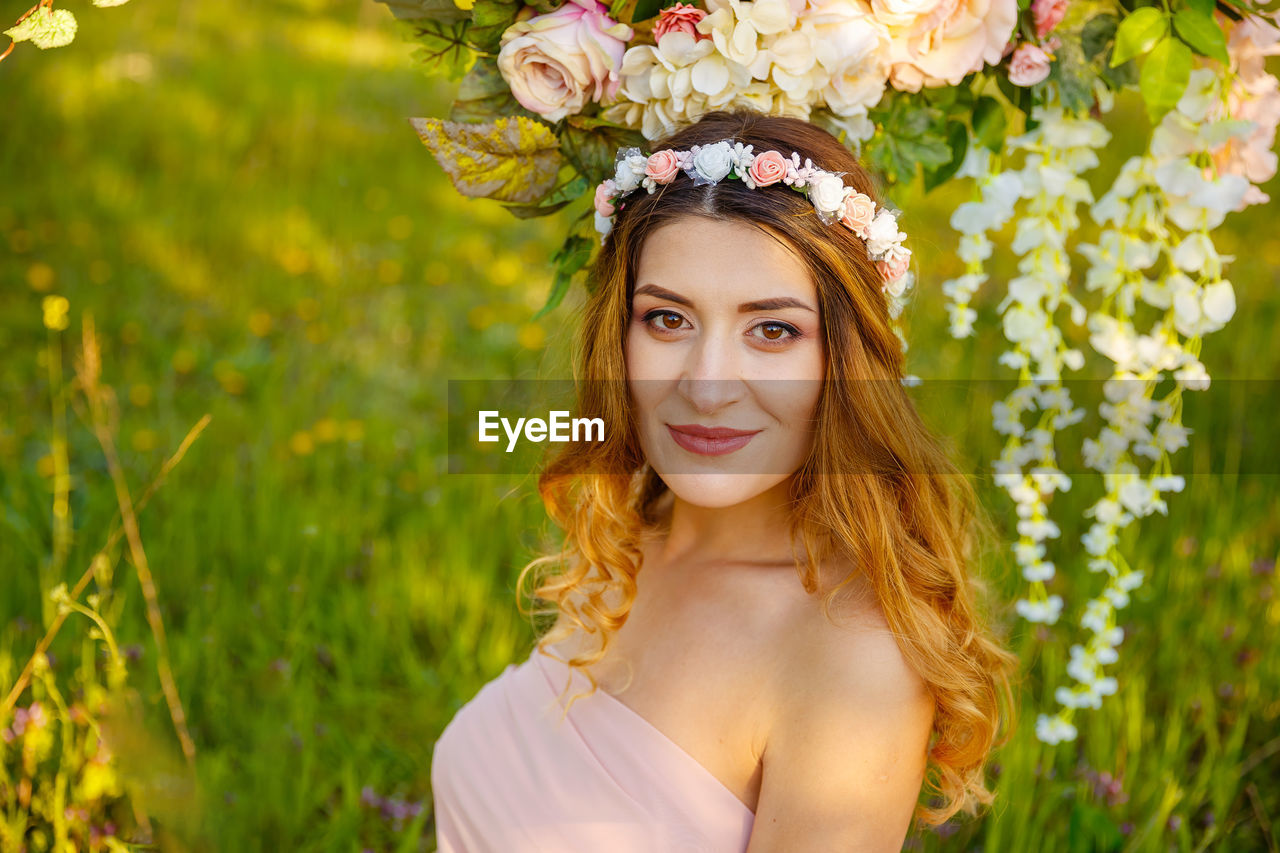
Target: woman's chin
<point x="718" y="489"/>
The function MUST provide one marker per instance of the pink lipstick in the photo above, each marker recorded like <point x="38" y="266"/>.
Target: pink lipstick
<point x="709" y="441"/>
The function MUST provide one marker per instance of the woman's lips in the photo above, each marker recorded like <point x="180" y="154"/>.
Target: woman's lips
<point x="716" y="443"/>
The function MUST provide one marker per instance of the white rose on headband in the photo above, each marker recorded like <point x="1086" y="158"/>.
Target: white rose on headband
<point x="630" y="172"/>
<point x="883" y="232"/>
<point x="827" y="194"/>
<point x="713" y="162"/>
<point x="604" y="224"/>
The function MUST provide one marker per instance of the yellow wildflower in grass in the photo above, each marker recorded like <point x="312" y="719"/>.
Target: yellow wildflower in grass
<point x="40" y="276"/>
<point x="55" y="312"/>
<point x="400" y="227"/>
<point x="301" y="444"/>
<point x="145" y="440"/>
<point x="184" y="361"/>
<point x="532" y="336"/>
<point x="326" y="430"/>
<point x="260" y="323"/>
<point x="389" y="271"/>
<point x="140" y="394"/>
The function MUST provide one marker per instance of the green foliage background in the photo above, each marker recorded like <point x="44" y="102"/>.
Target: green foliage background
<point x="235" y="196"/>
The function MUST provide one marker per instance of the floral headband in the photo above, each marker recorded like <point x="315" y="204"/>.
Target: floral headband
<point x="708" y="164"/>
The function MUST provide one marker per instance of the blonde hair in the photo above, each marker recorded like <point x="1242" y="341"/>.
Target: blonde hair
<point x="878" y="488"/>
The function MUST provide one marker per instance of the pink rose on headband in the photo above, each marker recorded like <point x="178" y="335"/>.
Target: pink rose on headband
<point x="859" y="210"/>
<point x="893" y="268"/>
<point x="767" y="168"/>
<point x="681" y="18"/>
<point x="663" y="166"/>
<point x="1028" y="65"/>
<point x="605" y="192"/>
<point x="557" y="62"/>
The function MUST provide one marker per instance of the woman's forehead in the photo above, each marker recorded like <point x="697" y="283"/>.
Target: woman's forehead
<point x="721" y="261"/>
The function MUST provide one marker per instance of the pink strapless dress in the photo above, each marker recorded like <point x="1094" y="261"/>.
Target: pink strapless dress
<point x="507" y="776"/>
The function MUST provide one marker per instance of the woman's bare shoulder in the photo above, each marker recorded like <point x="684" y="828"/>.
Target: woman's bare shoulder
<point x="851" y="646"/>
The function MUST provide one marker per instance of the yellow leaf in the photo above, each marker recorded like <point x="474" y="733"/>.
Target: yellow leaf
<point x="513" y="159"/>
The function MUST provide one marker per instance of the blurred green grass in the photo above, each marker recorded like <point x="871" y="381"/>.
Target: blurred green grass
<point x="235" y="196"/>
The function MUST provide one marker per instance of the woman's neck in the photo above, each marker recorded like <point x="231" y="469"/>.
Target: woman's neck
<point x="754" y="531"/>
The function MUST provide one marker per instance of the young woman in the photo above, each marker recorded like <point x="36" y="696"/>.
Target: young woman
<point x="764" y="592"/>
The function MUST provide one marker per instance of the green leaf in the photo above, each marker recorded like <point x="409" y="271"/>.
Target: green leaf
<point x="958" y="140"/>
<point x="1097" y="34"/>
<point x="591" y="145"/>
<point x="568" y="193"/>
<point x="442" y="48"/>
<point x="489" y="20"/>
<point x="1074" y="76"/>
<point x="1165" y="75"/>
<point x="989" y="123"/>
<point x="1138" y="33"/>
<point x="1203" y="33"/>
<point x="571" y="257"/>
<point x="45" y="28"/>
<point x="929" y="151"/>
<point x="441" y="11"/>
<point x="913" y="119"/>
<point x="1204" y="7"/>
<point x="1019" y="96"/>
<point x="646" y="9"/>
<point x="1121" y="76"/>
<point x="512" y="159"/>
<point x="484" y="95"/>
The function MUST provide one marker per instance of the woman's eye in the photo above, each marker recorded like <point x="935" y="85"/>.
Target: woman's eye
<point x="668" y="321"/>
<point x="777" y="332"/>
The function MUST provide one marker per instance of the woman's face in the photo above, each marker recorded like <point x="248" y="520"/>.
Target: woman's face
<point x="724" y="335"/>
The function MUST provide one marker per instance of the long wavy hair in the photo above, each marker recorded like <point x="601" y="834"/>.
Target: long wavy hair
<point x="878" y="490"/>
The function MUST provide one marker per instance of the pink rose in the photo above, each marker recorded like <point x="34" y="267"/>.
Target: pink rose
<point x="1047" y="15"/>
<point x="859" y="211"/>
<point x="681" y="17"/>
<point x="767" y="168"/>
<point x="555" y="63"/>
<point x="1028" y="65"/>
<point x="892" y="269"/>
<point x="663" y="166"/>
<point x="604" y="197"/>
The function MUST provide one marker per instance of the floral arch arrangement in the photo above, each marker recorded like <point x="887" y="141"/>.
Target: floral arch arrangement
<point x="1007" y="93"/>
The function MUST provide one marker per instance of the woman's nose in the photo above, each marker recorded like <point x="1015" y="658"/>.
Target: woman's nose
<point x="712" y="377"/>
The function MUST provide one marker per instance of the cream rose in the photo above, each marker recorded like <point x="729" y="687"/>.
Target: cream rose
<point x="939" y="42"/>
<point x="557" y="62"/>
<point x="827" y="194"/>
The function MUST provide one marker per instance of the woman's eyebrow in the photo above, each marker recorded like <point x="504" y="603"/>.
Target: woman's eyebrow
<point x="774" y="304"/>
